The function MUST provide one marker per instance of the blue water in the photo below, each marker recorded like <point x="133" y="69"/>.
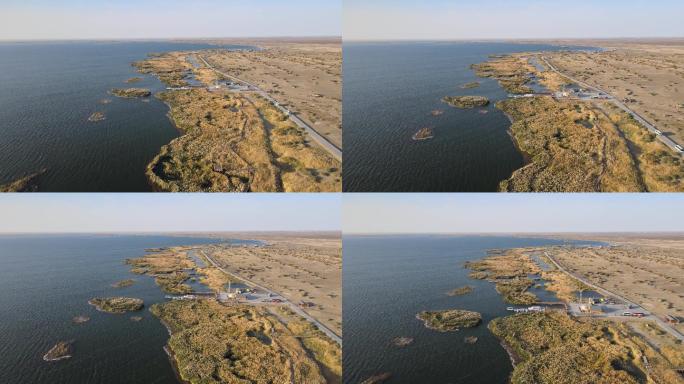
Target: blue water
<point x="389" y="92"/>
<point x="45" y="281"/>
<point x="387" y="280"/>
<point x="47" y="93"/>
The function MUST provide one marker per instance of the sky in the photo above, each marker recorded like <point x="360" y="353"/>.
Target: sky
<point x="512" y="213"/>
<point x="510" y="19"/>
<point x="147" y="19"/>
<point x="199" y="212"/>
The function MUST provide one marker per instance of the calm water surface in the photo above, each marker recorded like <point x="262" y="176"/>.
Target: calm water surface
<point x="46" y="281"/>
<point x="389" y="279"/>
<point x="390" y="90"/>
<point x="47" y="93"/>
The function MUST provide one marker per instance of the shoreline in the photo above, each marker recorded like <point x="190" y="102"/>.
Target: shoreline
<point x="169" y="353"/>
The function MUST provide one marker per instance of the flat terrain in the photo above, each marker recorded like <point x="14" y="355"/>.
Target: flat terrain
<point x="299" y="268"/>
<point x="304" y="74"/>
<point x="233" y="140"/>
<point x="648" y="75"/>
<point x="651" y="275"/>
<point x="576" y="143"/>
<point x="553" y="346"/>
<point x="255" y="337"/>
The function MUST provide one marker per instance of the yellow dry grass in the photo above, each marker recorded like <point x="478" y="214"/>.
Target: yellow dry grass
<point x="212" y="343"/>
<point x="572" y="148"/>
<point x="235" y="143"/>
<point x="554" y="348"/>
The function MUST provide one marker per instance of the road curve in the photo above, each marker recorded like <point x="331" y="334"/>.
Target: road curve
<point x="295" y="308"/>
<point x="606" y="292"/>
<point x="651" y="128"/>
<point x="322" y="141"/>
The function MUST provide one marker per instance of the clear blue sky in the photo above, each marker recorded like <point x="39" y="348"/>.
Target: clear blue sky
<point x="122" y="212"/>
<point x="496" y="19"/>
<point x="118" y="19"/>
<point x="488" y="213"/>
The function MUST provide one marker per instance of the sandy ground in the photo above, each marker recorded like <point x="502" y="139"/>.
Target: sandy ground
<point x="305" y="75"/>
<point x="648" y="75"/>
<point x="648" y="270"/>
<point x="298" y="266"/>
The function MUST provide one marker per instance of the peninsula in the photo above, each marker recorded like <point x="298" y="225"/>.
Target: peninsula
<point x="242" y="134"/>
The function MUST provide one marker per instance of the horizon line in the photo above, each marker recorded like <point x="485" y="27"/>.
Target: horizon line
<point x="681" y="232"/>
<point x="175" y="38"/>
<point x="509" y="38"/>
<point x="199" y="232"/>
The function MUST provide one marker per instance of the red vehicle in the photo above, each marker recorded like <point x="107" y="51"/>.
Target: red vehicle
<point x="639" y="314"/>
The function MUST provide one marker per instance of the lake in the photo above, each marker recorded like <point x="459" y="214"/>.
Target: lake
<point x="47" y="280"/>
<point x="387" y="280"/>
<point x="390" y="90"/>
<point x="48" y="92"/>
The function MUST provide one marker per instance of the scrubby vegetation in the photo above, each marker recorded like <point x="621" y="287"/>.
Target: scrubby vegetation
<point x="97" y="116"/>
<point x="512" y="72"/>
<point x="423" y="134"/>
<point x="551" y="347"/>
<point x="168" y="269"/>
<point x="471" y="85"/>
<point x="212" y="343"/>
<point x="509" y="271"/>
<point x="170" y="71"/>
<point x="28" y="183"/>
<point x="466" y="101"/>
<point x="232" y="142"/>
<point x="461" y="291"/>
<point x="116" y="304"/>
<point x="325" y="351"/>
<point x="566" y="156"/>
<point x="402" y="341"/>
<point x="661" y="169"/>
<point x="449" y="320"/>
<point x="123" y="283"/>
<point x="62" y="350"/>
<point x="131" y="92"/>
<point x="133" y="80"/>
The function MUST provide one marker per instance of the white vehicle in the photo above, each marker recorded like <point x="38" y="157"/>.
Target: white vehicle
<point x="657" y="132"/>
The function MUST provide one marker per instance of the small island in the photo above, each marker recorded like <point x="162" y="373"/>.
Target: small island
<point x="466" y="289"/>
<point x="470" y="340"/>
<point x="123" y="283"/>
<point x="377" y="379"/>
<point x="423" y="134"/>
<point x="466" y="101"/>
<point x="437" y="112"/>
<point x="97" y="116"/>
<point x="62" y="350"/>
<point x="131" y="92"/>
<point x="449" y="320"/>
<point x="133" y="80"/>
<point x="116" y="304"/>
<point x="471" y="85"/>
<point x="402" y="341"/>
<point x="80" y="319"/>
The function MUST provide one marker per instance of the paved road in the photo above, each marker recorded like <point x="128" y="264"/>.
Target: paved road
<point x="295" y="308"/>
<point x="322" y="141"/>
<point x="605" y="292"/>
<point x="664" y="139"/>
